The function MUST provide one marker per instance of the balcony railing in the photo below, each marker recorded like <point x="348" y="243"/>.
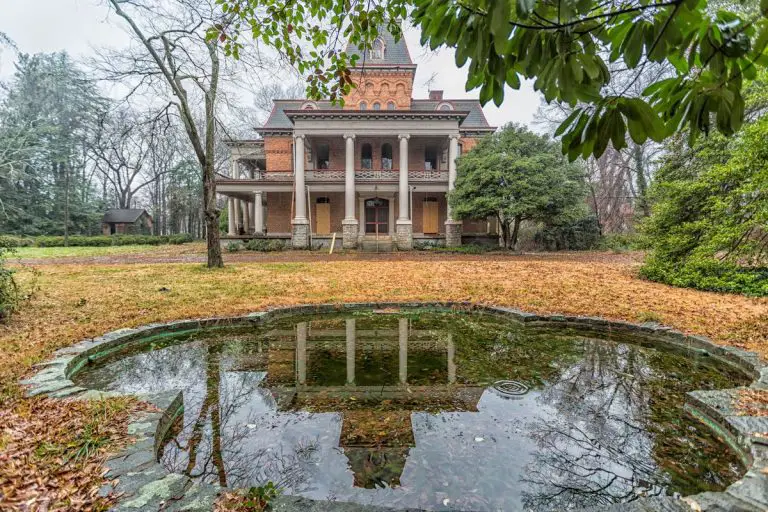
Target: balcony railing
<point x="361" y="175"/>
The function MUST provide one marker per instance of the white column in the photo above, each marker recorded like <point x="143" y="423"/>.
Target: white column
<point x="258" y="213"/>
<point x="301" y="352"/>
<point x="453" y="153"/>
<point x="451" y="362"/>
<point x="247" y="217"/>
<point x="231" y="229"/>
<point x="237" y="216"/>
<point x="351" y="340"/>
<point x="403" y="340"/>
<point x="349" y="178"/>
<point x="403" y="184"/>
<point x="300" y="208"/>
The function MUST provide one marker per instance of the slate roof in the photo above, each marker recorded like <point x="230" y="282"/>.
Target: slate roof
<point x="395" y="53"/>
<point x="474" y="120"/>
<point x="127" y="216"/>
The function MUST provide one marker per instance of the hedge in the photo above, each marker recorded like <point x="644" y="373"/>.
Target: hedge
<point x="94" y="241"/>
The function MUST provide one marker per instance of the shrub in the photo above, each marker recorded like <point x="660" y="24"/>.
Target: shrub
<point x="234" y="246"/>
<point x="264" y="245"/>
<point x="579" y="235"/>
<point x="100" y="241"/>
<point x="10" y="294"/>
<point x="11" y="242"/>
<point x="708" y="274"/>
<point x="619" y="242"/>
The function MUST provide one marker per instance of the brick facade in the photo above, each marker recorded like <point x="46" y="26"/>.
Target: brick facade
<point x="382" y="87"/>
<point x="279" y="153"/>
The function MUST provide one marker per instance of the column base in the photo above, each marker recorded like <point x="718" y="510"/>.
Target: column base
<point x="300" y="234"/>
<point x="349" y="229"/>
<point x="404" y="235"/>
<point x="453" y="233"/>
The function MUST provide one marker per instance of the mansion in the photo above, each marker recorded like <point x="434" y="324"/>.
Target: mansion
<point x="378" y="168"/>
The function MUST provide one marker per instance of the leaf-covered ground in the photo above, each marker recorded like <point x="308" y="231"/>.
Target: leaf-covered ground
<point x="83" y="297"/>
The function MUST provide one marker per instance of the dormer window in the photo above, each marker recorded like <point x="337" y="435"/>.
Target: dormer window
<point x="309" y="105"/>
<point x="445" y="106"/>
<point x="377" y="51"/>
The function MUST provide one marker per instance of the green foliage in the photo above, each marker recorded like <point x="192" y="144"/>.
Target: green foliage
<point x="516" y="175"/>
<point x="462" y="249"/>
<point x="104" y="241"/>
<point x="709" y="227"/>
<point x="265" y="245"/>
<point x="234" y="246"/>
<point x="564" y="47"/>
<point x="258" y="498"/>
<point x="619" y="242"/>
<point x="10" y="294"/>
<point x="572" y="235"/>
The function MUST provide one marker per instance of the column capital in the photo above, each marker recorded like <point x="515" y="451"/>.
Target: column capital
<point x="349" y="136"/>
<point x="257" y="192"/>
<point x="404" y="136"/>
<point x="454" y="136"/>
<point x="299" y="136"/>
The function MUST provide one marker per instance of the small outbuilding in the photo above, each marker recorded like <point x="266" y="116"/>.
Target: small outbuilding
<point x="126" y="221"/>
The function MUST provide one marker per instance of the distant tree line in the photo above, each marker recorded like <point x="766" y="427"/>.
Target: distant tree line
<point x="67" y="153"/>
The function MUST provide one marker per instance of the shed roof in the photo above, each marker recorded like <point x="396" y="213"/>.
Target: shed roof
<point x="123" y="215"/>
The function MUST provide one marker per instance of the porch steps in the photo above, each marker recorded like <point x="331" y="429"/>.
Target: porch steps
<point x="373" y="245"/>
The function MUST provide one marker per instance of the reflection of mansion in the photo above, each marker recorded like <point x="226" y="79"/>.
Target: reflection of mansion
<point x="377" y="168"/>
<point x="407" y="369"/>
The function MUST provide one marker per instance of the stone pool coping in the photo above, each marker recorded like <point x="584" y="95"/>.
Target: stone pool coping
<point x="141" y="483"/>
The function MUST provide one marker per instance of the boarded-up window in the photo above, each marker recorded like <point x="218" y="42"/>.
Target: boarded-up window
<point x="323" y="216"/>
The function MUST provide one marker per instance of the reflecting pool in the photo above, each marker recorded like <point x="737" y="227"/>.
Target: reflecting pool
<point x="433" y="410"/>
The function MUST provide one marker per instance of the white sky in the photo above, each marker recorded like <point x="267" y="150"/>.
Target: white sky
<point x="78" y="26"/>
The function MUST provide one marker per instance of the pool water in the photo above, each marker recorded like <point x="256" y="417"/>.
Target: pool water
<point x="432" y="409"/>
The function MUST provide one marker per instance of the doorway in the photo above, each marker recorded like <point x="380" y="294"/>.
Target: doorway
<point x="377" y="216"/>
<point x="430" y="215"/>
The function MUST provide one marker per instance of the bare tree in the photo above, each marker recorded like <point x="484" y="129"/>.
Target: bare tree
<point x="121" y="149"/>
<point x="181" y="65"/>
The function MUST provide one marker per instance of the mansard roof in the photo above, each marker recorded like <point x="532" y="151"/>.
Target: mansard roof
<point x="469" y="111"/>
<point x="395" y="53"/>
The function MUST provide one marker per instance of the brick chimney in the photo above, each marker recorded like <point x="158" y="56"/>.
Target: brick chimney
<point x="435" y="95"/>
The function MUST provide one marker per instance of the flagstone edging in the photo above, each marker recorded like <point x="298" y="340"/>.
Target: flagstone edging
<point x="141" y="483"/>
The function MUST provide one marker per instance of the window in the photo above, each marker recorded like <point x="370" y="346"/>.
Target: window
<point x="323" y="200"/>
<point x="366" y="156"/>
<point x="310" y="105"/>
<point x="363" y="105"/>
<point x="323" y="156"/>
<point x="430" y="158"/>
<point x="386" y="156"/>
<point x="377" y="51"/>
<point x="391" y="105"/>
<point x="445" y="106"/>
<point x="377" y="106"/>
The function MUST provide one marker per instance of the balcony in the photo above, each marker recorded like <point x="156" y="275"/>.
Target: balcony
<point x="361" y="175"/>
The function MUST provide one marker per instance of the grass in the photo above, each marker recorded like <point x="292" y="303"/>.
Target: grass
<point x="68" y="252"/>
<point x="77" y="301"/>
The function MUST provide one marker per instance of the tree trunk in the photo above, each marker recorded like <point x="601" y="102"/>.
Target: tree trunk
<point x="209" y="188"/>
<point x="66" y="205"/>
<point x="515" y="232"/>
<point x="642" y="182"/>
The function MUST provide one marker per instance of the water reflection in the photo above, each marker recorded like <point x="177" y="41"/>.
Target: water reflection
<point x="397" y="410"/>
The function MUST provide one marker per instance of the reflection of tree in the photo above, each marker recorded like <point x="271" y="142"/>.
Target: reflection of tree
<point x="614" y="432"/>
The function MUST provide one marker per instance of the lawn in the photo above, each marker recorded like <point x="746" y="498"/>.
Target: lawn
<point x="76" y="299"/>
<point x="39" y="253"/>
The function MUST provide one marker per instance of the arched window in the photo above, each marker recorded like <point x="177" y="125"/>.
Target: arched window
<point x="386" y="155"/>
<point x="310" y="105"/>
<point x="323" y="156"/>
<point x="366" y="156"/>
<point x="445" y="106"/>
<point x="363" y="105"/>
<point x="430" y="158"/>
<point x="377" y="51"/>
<point x="377" y="106"/>
<point x="390" y="105"/>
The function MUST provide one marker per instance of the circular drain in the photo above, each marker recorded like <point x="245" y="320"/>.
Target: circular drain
<point x="510" y="388"/>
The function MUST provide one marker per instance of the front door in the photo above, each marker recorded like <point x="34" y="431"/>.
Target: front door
<point x="430" y="213"/>
<point x="376" y="216"/>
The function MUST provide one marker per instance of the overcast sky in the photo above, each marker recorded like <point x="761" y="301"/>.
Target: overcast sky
<point x="77" y="26"/>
